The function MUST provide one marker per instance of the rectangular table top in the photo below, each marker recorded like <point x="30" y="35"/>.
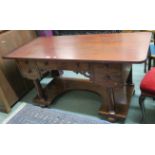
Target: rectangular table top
<point x="117" y="47"/>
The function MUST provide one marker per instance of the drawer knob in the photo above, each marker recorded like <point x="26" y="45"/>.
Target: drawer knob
<point x="107" y="65"/>
<point x="29" y="71"/>
<point x="115" y="83"/>
<point x="26" y="62"/>
<point x="46" y="63"/>
<point x="108" y="77"/>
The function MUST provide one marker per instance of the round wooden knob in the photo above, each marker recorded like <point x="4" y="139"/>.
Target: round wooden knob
<point x="46" y="63"/>
<point x="29" y="71"/>
<point x="26" y="62"/>
<point x="108" y="77"/>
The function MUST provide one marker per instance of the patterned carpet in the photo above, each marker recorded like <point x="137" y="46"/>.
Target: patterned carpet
<point x="31" y="114"/>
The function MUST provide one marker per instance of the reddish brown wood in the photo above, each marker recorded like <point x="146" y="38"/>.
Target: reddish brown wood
<point x="121" y="47"/>
<point x="110" y="81"/>
<point x="105" y="59"/>
<point x="117" y="108"/>
<point x="39" y="89"/>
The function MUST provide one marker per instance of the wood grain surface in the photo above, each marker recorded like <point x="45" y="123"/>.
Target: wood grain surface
<point x="118" y="47"/>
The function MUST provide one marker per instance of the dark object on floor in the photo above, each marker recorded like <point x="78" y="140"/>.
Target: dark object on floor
<point x="31" y="114"/>
<point x="147" y="87"/>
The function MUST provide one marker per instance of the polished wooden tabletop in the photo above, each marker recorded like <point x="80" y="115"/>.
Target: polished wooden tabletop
<point x="117" y="47"/>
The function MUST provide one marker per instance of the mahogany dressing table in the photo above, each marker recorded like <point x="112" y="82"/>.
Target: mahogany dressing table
<point x="106" y="59"/>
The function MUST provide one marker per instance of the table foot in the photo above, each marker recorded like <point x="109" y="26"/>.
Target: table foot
<point x="121" y="107"/>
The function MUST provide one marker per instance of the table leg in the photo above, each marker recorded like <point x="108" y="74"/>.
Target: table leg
<point x="39" y="90"/>
<point x="130" y="78"/>
<point x="145" y="65"/>
<point x="149" y="66"/>
<point x="110" y="92"/>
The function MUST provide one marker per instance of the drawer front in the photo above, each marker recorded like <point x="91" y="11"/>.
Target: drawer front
<point x="62" y="65"/>
<point x="28" y="69"/>
<point x="109" y="75"/>
<point x="46" y="65"/>
<point x="56" y="65"/>
<point x="83" y="66"/>
<point x="107" y="79"/>
<point x="108" y="68"/>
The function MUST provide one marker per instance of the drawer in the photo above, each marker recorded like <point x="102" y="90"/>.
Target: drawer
<point x="67" y="65"/>
<point x="113" y="77"/>
<point x="28" y="69"/>
<point x="108" y="77"/>
<point x="62" y="65"/>
<point x="46" y="65"/>
<point x="107" y="72"/>
<point x="107" y="82"/>
<point x="83" y="66"/>
<point x="56" y="65"/>
<point x="108" y="68"/>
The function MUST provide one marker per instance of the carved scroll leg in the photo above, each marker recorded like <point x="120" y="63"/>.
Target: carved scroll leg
<point x="130" y="80"/>
<point x="109" y="108"/>
<point x="39" y="90"/>
<point x="145" y="66"/>
<point x="112" y="101"/>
